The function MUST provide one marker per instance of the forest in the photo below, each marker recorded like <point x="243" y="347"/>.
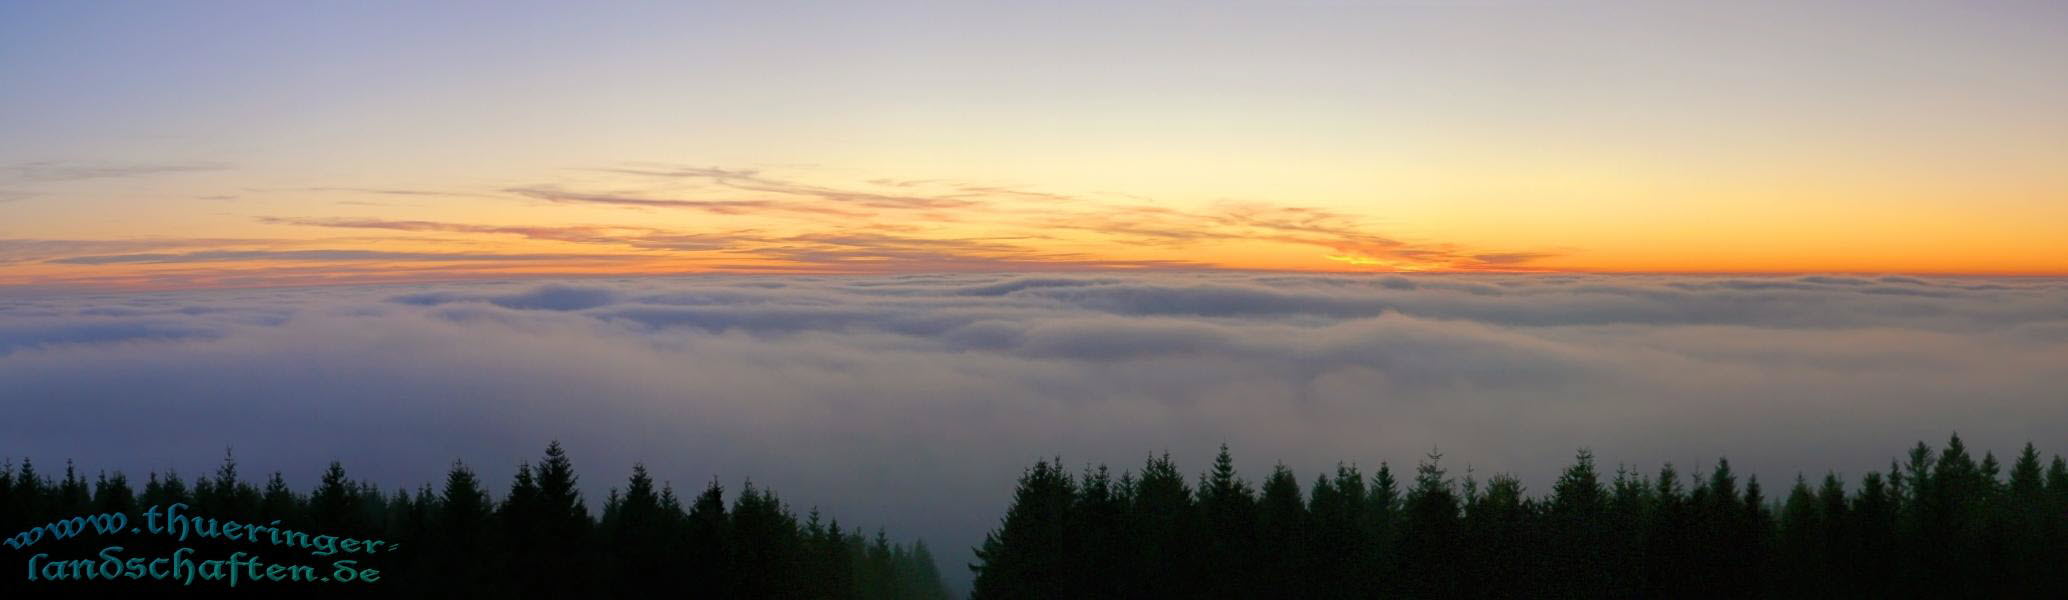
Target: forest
<point x="453" y="541"/>
<point x="1938" y="523"/>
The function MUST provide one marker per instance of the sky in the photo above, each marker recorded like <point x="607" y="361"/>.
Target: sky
<point x="160" y="146"/>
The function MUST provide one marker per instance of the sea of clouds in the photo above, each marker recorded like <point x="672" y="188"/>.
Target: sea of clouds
<point x="912" y="402"/>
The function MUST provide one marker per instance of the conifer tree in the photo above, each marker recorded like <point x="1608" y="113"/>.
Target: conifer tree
<point x="708" y="536"/>
<point x="1803" y="547"/>
<point x="923" y="574"/>
<point x="1335" y="507"/>
<point x="2054" y="532"/>
<point x="225" y="494"/>
<point x="1429" y="550"/>
<point x="765" y="546"/>
<point x="1576" y="510"/>
<point x="1754" y="537"/>
<point x="12" y="514"/>
<point x="1667" y="552"/>
<point x="1837" y="523"/>
<point x="565" y="517"/>
<point x="555" y="556"/>
<point x="1227" y="505"/>
<point x="1500" y="550"/>
<point x="462" y="526"/>
<point x="334" y="505"/>
<point x="640" y="535"/>
<point x="111" y="494"/>
<point x="30" y="489"/>
<point x="1029" y="555"/>
<point x="1165" y="528"/>
<point x="1283" y="543"/>
<point x="74" y="497"/>
<point x="1100" y="535"/>
<point x="1874" y="525"/>
<point x="278" y="502"/>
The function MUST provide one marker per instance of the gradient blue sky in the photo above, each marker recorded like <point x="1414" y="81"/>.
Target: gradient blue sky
<point x="1594" y="136"/>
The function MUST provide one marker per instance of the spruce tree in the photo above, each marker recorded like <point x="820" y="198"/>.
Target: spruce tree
<point x="708" y="538"/>
<point x="640" y="535"/>
<point x="1428" y="549"/>
<point x="1875" y="513"/>
<point x="463" y="525"/>
<point x="1283" y="542"/>
<point x="74" y="496"/>
<point x="278" y="502"/>
<point x="1227" y="505"/>
<point x="334" y="505"/>
<point x="1576" y="513"/>
<point x="111" y="494"/>
<point x="1500" y="554"/>
<point x="1030" y="554"/>
<point x="1339" y="562"/>
<point x="1669" y="555"/>
<point x="1165" y="523"/>
<point x="765" y="546"/>
<point x="1803" y="543"/>
<point x="560" y="562"/>
<point x="1100" y="536"/>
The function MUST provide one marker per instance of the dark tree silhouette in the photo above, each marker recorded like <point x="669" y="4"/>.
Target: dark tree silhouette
<point x="1282" y="537"/>
<point x="1973" y="527"/>
<point x="455" y="542"/>
<point x="1227" y="505"/>
<point x="1030" y="554"/>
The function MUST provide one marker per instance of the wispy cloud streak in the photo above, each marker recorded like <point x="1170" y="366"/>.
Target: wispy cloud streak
<point x="54" y="171"/>
<point x="319" y="256"/>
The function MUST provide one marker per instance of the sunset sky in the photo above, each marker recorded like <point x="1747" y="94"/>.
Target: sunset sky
<point x="1802" y="235"/>
<point x="223" y="144"/>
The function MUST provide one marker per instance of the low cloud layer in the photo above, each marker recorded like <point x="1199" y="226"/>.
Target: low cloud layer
<point x="913" y="401"/>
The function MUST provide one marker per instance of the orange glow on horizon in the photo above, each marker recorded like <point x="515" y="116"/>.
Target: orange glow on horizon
<point x="664" y="220"/>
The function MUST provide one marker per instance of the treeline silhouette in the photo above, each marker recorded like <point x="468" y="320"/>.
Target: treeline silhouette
<point x="454" y="541"/>
<point x="1939" y="524"/>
